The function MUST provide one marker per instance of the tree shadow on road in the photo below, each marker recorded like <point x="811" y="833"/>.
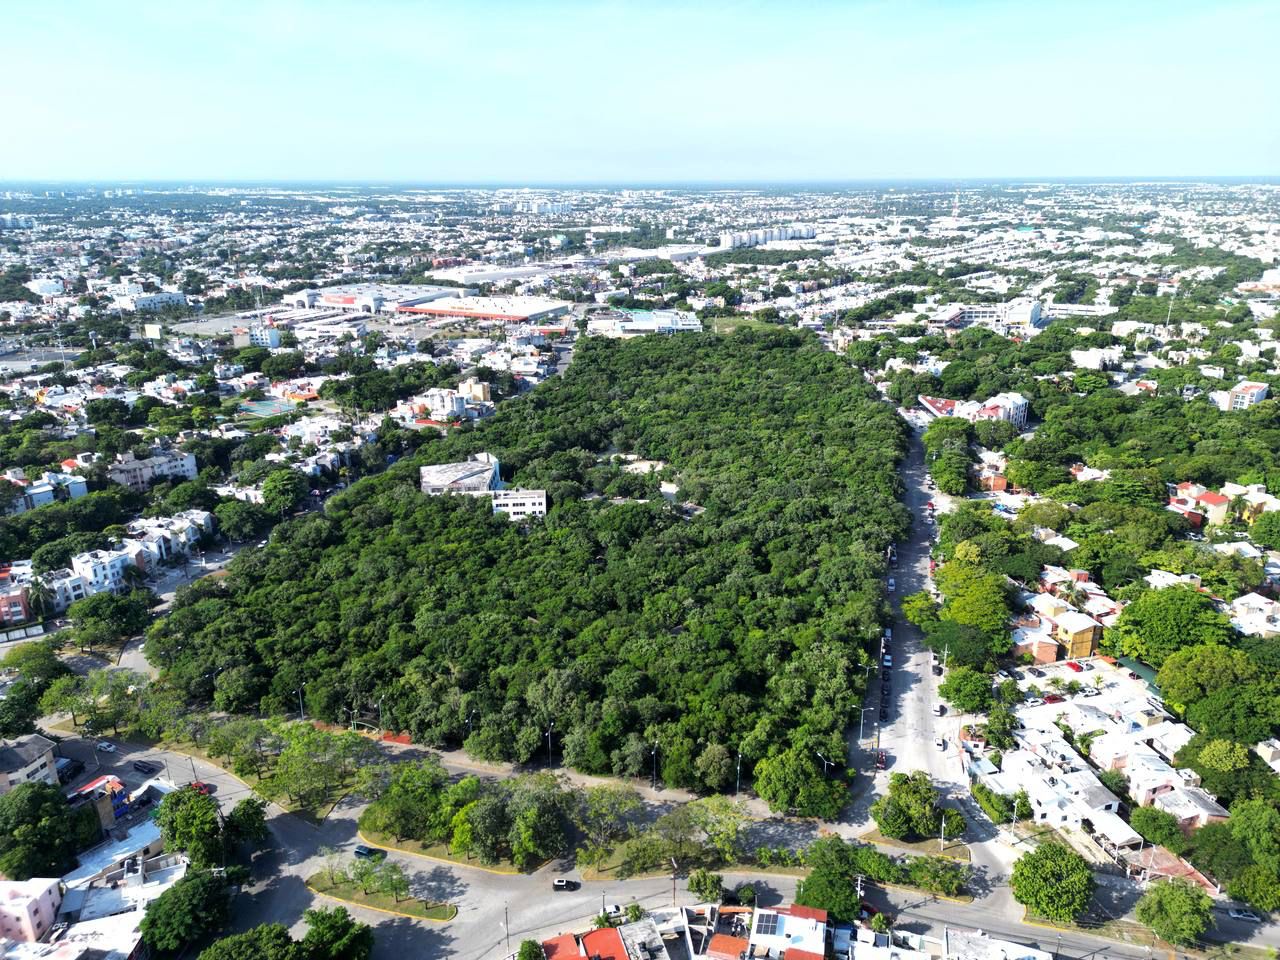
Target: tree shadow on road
<point x="395" y="939"/>
<point x="439" y="885"/>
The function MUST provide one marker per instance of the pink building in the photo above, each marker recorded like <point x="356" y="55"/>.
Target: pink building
<point x="28" y="908"/>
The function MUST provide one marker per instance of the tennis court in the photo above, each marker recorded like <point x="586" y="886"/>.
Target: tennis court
<point x="267" y="408"/>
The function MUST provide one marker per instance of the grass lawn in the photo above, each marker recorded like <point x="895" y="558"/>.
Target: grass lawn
<point x="350" y="892"/>
<point x="313" y="812"/>
<point x="608" y="870"/>
<point x="441" y="851"/>
<point x="954" y="850"/>
<point x="730" y="324"/>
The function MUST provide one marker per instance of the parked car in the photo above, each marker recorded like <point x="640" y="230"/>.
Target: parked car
<point x="1003" y="675"/>
<point x="201" y="787"/>
<point x="888" y="633"/>
<point x="884" y="711"/>
<point x="1053" y="698"/>
<point x="1090" y="692"/>
<point x="940" y="743"/>
<point x="939" y="709"/>
<point x="564" y="885"/>
<point x="106" y="746"/>
<point x="937" y="669"/>
<point x="1074" y="667"/>
<point x="1134" y="676"/>
<point x="887" y="660"/>
<point x="893" y="585"/>
<point x="881" y="760"/>
<point x="1033" y="702"/>
<point x="1036" y="672"/>
<point x="145" y="766"/>
<point x="362" y="852"/>
<point x="1248" y="916"/>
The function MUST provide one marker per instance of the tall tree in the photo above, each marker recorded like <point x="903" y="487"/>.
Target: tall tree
<point x="1054" y="881"/>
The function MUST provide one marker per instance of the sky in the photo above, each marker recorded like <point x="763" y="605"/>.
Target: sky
<point x="486" y="91"/>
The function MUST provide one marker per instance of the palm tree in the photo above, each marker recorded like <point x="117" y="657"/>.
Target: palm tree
<point x="1073" y="594"/>
<point x="1056" y="683"/>
<point x="40" y="597"/>
<point x="1238" y="506"/>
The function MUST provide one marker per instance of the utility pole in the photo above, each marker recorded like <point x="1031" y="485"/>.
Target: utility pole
<point x="942" y="835"/>
<point x="674" y="870"/>
<point x="506" y="926"/>
<point x="655" y="766"/>
<point x="550" y="762"/>
<point x="738" y="786"/>
<point x="302" y="713"/>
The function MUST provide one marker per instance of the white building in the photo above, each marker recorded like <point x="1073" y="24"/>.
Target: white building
<point x="28" y="908"/>
<point x="626" y="325"/>
<point x="479" y="477"/>
<point x="1010" y="407"/>
<point x="519" y="504"/>
<point x="45" y="286"/>
<point x="1098" y="358"/>
<point x="47" y="488"/>
<point x="149" y="302"/>
<point x="26" y="759"/>
<point x="138" y="474"/>
<point x="478" y="474"/>
<point x="1020" y="317"/>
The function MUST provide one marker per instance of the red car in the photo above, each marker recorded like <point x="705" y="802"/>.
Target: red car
<point x="1074" y="667"/>
<point x="1053" y="698"/>
<point x="200" y="787"/>
<point x="881" y="760"/>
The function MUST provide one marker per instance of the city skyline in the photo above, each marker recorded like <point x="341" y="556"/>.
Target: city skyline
<point x="591" y="93"/>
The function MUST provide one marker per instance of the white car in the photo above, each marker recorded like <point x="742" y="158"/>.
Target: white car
<point x="893" y="585"/>
<point x="940" y="743"/>
<point x="1248" y="916"/>
<point x="1033" y="702"/>
<point x="105" y="746"/>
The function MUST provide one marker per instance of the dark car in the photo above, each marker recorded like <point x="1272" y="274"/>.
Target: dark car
<point x="937" y="669"/>
<point x="564" y="885"/>
<point x="368" y="853"/>
<point x="884" y="712"/>
<point x="1035" y="671"/>
<point x="145" y="766"/>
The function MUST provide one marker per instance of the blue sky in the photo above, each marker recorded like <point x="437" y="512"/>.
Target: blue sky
<point x="641" y="91"/>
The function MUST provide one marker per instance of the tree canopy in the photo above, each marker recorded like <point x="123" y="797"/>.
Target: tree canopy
<point x="734" y="620"/>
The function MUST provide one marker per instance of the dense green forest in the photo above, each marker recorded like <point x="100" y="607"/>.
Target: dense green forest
<point x="615" y="623"/>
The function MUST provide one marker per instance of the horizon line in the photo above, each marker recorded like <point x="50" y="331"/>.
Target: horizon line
<point x="623" y="182"/>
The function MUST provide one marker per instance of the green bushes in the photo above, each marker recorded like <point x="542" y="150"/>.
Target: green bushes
<point x="995" y="805"/>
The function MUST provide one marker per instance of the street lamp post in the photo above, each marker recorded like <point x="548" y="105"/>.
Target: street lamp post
<point x="302" y="713"/>
<point x="825" y="762"/>
<point x="550" y="762"/>
<point x="738" y="786"/>
<point x="654" y="782"/>
<point x="862" y="721"/>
